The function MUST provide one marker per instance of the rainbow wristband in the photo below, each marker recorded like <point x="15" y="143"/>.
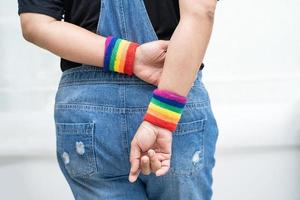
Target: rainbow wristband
<point x="165" y="109"/>
<point x="119" y="55"/>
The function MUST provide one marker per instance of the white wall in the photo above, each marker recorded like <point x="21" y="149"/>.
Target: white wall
<point x="252" y="74"/>
<point x="253" y="77"/>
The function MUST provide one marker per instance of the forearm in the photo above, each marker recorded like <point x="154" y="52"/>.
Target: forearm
<point x="64" y="39"/>
<point x="186" y="49"/>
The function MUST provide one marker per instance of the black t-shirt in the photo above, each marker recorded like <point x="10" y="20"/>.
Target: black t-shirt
<point x="164" y="15"/>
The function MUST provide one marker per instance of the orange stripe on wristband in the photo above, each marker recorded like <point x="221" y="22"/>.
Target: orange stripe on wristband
<point x="123" y="57"/>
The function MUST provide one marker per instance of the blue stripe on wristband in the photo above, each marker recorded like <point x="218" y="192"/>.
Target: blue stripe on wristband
<point x="108" y="54"/>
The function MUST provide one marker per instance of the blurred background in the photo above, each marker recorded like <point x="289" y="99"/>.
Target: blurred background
<point x="252" y="74"/>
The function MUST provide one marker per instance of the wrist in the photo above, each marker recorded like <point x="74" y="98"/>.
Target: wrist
<point x="137" y="60"/>
<point x="165" y="109"/>
<point x="150" y="127"/>
<point x="119" y="55"/>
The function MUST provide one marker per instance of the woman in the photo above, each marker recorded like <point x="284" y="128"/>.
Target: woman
<point x="131" y="104"/>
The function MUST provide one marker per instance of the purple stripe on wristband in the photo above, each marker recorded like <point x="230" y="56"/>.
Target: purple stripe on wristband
<point x="108" y="40"/>
<point x="170" y="95"/>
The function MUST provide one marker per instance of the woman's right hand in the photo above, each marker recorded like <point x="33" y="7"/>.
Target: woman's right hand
<point x="150" y="151"/>
<point x="149" y="61"/>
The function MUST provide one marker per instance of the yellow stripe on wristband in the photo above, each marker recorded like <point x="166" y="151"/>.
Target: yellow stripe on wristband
<point x="119" y="56"/>
<point x="162" y="116"/>
<point x="164" y="111"/>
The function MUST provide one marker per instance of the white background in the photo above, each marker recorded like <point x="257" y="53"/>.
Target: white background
<point x="252" y="74"/>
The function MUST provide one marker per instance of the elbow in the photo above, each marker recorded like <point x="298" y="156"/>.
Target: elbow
<point x="27" y="31"/>
<point x="28" y="26"/>
<point x="208" y="11"/>
<point x="200" y="10"/>
<point x="33" y="24"/>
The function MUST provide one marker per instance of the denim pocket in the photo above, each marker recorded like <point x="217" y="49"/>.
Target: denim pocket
<point x="76" y="149"/>
<point x="187" y="148"/>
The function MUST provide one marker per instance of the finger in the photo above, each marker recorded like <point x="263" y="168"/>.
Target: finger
<point x="164" y="168"/>
<point x="163" y="156"/>
<point x="154" y="162"/>
<point x="162" y="171"/>
<point x="145" y="165"/>
<point x="135" y="154"/>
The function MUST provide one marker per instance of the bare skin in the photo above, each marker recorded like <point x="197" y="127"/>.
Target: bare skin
<point x="187" y="48"/>
<point x="59" y="38"/>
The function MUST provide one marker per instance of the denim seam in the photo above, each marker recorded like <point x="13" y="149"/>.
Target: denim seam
<point x="202" y="145"/>
<point x="83" y="68"/>
<point x="122" y="20"/>
<point x="184" y="131"/>
<point x="96" y="81"/>
<point x="94" y="147"/>
<point x="89" y="68"/>
<point x="108" y="109"/>
<point x="100" y="16"/>
<point x="124" y="132"/>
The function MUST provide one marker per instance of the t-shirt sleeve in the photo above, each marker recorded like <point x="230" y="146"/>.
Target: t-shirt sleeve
<point x="52" y="8"/>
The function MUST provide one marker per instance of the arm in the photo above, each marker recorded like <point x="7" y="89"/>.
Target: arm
<point x="79" y="45"/>
<point x="185" y="54"/>
<point x="188" y="45"/>
<point x="63" y="39"/>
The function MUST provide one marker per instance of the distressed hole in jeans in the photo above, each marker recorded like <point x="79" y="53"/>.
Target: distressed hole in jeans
<point x="80" y="148"/>
<point x="66" y="158"/>
<point x="196" y="157"/>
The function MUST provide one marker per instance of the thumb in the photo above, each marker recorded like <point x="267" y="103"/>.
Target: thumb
<point x="164" y="44"/>
<point x="135" y="155"/>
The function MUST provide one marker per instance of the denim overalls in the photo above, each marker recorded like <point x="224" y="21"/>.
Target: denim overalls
<point x="97" y="114"/>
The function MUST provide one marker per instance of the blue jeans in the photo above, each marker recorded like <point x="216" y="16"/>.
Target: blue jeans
<point x="97" y="114"/>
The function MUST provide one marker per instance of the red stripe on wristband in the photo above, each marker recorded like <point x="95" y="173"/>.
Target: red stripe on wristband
<point x="160" y="122"/>
<point x="130" y="58"/>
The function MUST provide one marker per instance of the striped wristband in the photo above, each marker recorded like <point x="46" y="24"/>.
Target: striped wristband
<point x="119" y="55"/>
<point x="165" y="109"/>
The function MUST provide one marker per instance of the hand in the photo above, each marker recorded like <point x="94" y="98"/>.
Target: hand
<point x="155" y="143"/>
<point x="150" y="163"/>
<point x="149" y="61"/>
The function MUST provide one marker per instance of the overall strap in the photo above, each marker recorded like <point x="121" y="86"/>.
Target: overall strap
<point x="126" y="19"/>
